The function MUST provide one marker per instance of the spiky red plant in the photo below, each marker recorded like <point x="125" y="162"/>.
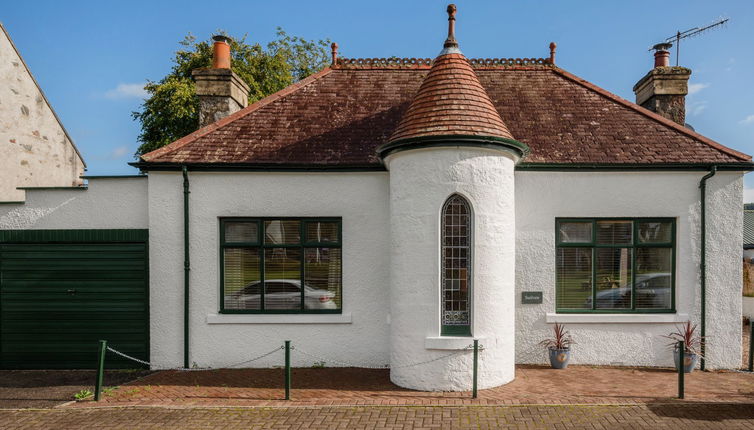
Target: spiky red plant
<point x="686" y="333"/>
<point x="562" y="338"/>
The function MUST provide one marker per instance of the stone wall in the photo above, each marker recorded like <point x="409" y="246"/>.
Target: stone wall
<point x="35" y="149"/>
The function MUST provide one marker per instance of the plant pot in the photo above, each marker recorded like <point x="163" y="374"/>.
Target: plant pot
<point x="689" y="361"/>
<point x="559" y="357"/>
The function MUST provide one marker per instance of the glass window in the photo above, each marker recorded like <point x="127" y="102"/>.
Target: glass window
<point x="456" y="264"/>
<point x="627" y="267"/>
<point x="575" y="232"/>
<point x="290" y="271"/>
<point x="241" y="232"/>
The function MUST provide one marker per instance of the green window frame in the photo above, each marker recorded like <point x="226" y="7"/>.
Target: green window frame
<point x="591" y="282"/>
<point x="253" y="241"/>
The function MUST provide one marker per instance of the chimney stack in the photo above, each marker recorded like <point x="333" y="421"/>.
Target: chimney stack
<point x="663" y="90"/>
<point x="221" y="92"/>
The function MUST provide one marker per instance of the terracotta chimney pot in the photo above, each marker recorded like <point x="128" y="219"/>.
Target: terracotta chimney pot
<point x="221" y="52"/>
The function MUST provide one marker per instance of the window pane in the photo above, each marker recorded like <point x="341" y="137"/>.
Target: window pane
<point x="241" y="232"/>
<point x="655" y="232"/>
<point x="322" y="267"/>
<point x="615" y="232"/>
<point x="241" y="283"/>
<point x="653" y="278"/>
<point x="282" y="232"/>
<point x="456" y="231"/>
<point x="613" y="278"/>
<point x="322" y="232"/>
<point x="282" y="276"/>
<point x="575" y="232"/>
<point x="574" y="274"/>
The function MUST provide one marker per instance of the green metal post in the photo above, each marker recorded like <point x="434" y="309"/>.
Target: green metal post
<point x="681" y="366"/>
<point x="751" y="344"/>
<point x="476" y="367"/>
<point x="100" y="369"/>
<point x="287" y="370"/>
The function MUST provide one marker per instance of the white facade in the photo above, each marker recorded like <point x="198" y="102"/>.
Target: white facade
<point x="390" y="222"/>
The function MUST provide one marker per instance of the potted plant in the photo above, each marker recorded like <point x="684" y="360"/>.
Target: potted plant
<point x="559" y="347"/>
<point x="692" y="346"/>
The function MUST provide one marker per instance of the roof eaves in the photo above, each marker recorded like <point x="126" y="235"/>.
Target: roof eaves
<point x="230" y="118"/>
<point x="44" y="97"/>
<point x="648" y="113"/>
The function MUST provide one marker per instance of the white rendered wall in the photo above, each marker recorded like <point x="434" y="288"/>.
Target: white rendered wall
<point x="543" y="196"/>
<point x="358" y="336"/>
<point x="420" y="183"/>
<point x="108" y="203"/>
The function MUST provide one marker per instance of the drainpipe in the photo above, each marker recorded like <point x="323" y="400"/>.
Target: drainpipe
<point x="186" y="268"/>
<point x="702" y="263"/>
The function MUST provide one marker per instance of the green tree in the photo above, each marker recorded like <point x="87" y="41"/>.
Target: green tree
<point x="171" y="110"/>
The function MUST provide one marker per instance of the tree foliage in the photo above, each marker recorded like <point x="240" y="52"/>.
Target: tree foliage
<point x="172" y="109"/>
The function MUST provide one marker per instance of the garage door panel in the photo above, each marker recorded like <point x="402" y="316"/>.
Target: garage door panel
<point x="58" y="299"/>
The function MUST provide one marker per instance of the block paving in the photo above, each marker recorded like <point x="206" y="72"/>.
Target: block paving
<point x="534" y="385"/>
<point x="652" y="416"/>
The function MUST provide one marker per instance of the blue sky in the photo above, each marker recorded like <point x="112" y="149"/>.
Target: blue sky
<point x="92" y="57"/>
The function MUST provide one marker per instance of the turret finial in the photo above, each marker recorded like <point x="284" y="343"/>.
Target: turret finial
<point x="450" y="42"/>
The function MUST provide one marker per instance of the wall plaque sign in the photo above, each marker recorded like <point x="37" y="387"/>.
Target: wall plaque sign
<point x="531" y="297"/>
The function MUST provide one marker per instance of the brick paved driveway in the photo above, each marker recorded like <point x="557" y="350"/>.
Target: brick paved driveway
<point x="654" y="416"/>
<point x="365" y="387"/>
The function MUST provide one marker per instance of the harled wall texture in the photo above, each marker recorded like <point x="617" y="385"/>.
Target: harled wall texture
<point x="34" y="148"/>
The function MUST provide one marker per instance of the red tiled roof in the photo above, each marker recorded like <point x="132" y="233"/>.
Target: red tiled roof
<point x="339" y="116"/>
<point x="451" y="101"/>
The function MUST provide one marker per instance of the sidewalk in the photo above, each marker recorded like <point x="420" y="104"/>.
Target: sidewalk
<point x="534" y="385"/>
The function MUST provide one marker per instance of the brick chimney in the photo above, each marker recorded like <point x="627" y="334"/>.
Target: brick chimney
<point x="221" y="92"/>
<point x="663" y="90"/>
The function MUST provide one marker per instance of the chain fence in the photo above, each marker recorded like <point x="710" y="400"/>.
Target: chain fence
<point x="190" y="369"/>
<point x="320" y="359"/>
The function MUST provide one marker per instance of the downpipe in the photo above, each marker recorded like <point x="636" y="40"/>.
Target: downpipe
<point x="186" y="267"/>
<point x="703" y="262"/>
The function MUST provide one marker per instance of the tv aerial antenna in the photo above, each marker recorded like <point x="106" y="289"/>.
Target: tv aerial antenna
<point x="680" y="35"/>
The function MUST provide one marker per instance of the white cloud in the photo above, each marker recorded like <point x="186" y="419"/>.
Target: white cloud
<point x="748" y="195"/>
<point x="118" y="152"/>
<point x="695" y="88"/>
<point x="127" y="91"/>
<point x="748" y="120"/>
<point x="696" y="108"/>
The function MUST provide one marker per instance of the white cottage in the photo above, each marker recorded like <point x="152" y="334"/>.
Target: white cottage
<point x="387" y="212"/>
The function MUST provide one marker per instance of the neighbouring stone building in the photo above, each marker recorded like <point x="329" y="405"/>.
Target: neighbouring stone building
<point x="35" y="148"/>
<point x="389" y="212"/>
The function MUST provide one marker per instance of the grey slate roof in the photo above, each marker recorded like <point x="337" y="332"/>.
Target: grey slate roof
<point x="748" y="229"/>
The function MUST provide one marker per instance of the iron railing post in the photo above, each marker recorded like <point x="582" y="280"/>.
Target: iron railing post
<point x="476" y="368"/>
<point x="751" y="344"/>
<point x="100" y="369"/>
<point x="681" y="367"/>
<point x="287" y="370"/>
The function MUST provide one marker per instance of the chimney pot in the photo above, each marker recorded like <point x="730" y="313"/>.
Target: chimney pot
<point x="662" y="59"/>
<point x="221" y="52"/>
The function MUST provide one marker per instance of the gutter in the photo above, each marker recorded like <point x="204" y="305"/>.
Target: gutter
<point x="703" y="262"/>
<point x="186" y="267"/>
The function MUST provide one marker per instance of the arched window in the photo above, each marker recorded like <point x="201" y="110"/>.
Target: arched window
<point x="456" y="267"/>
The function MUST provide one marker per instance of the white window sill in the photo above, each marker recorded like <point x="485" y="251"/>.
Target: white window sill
<point x="617" y="318"/>
<point x="344" y="318"/>
<point x="451" y="342"/>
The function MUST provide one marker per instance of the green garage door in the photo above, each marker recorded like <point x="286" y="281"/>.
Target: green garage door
<point x="63" y="290"/>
